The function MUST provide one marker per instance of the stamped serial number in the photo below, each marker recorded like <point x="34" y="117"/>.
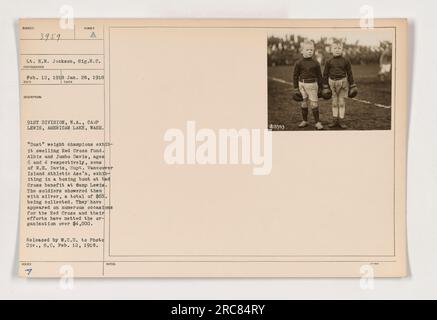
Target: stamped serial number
<point x="273" y="126"/>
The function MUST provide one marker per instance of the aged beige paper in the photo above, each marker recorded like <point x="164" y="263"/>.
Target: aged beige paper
<point x="172" y="148"/>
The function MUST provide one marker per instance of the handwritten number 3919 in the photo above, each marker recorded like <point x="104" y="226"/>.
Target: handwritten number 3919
<point x="50" y="36"/>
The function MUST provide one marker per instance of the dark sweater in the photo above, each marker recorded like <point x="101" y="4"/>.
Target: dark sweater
<point x="337" y="68"/>
<point x="307" y="69"/>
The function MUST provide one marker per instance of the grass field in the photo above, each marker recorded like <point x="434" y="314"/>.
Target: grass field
<point x="284" y="113"/>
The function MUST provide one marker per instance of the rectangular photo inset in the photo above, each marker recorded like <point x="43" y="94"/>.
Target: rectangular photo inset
<point x="330" y="79"/>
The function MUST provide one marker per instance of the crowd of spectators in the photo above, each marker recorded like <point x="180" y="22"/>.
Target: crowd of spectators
<point x="286" y="51"/>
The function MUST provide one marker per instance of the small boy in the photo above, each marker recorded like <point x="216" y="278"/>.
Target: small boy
<point x="338" y="76"/>
<point x="307" y="80"/>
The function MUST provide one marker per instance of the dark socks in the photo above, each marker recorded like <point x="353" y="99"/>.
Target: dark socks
<point x="316" y="114"/>
<point x="305" y="114"/>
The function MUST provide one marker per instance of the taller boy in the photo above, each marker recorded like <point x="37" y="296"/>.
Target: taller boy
<point x="307" y="79"/>
<point x="338" y="76"/>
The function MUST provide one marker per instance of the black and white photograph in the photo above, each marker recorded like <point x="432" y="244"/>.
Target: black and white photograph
<point x="328" y="79"/>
